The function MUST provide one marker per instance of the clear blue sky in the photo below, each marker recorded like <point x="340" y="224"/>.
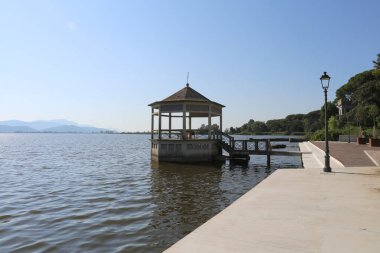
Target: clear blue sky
<point x="102" y="62"/>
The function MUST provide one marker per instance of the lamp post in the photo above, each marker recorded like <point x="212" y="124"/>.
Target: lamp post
<point x="325" y="82"/>
<point x="349" y="129"/>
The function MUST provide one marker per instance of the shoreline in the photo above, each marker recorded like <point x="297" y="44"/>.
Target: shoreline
<point x="298" y="210"/>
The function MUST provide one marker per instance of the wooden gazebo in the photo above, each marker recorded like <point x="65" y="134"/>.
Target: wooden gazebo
<point x="184" y="144"/>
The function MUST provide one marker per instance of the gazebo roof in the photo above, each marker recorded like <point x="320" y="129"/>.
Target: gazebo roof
<point x="186" y="94"/>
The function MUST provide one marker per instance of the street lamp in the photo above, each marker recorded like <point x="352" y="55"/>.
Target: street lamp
<point x="325" y="82"/>
<point x="349" y="129"/>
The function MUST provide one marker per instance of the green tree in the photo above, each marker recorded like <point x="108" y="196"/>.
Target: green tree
<point x="362" y="89"/>
<point x="215" y="127"/>
<point x="332" y="110"/>
<point x="333" y="123"/>
<point x="312" y="121"/>
<point x="276" y="125"/>
<point x="295" y="123"/>
<point x="373" y="112"/>
<point x="203" y="129"/>
<point x="376" y="64"/>
<point x="361" y="114"/>
<point x="258" y="127"/>
<point x="247" y="127"/>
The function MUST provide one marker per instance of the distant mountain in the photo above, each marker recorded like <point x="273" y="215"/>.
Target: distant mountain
<point x="39" y="124"/>
<point x="74" y="129"/>
<point x="51" y="126"/>
<point x="16" y="129"/>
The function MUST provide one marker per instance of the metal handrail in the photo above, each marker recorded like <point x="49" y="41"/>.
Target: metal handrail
<point x="244" y="145"/>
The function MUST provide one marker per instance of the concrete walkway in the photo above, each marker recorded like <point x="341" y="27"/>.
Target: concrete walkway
<point x="314" y="157"/>
<point x="301" y="210"/>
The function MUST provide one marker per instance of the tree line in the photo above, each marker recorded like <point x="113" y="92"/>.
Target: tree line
<point x="360" y="98"/>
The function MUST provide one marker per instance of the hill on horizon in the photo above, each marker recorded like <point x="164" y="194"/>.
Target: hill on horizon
<point x="51" y="126"/>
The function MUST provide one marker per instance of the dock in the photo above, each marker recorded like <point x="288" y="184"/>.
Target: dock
<point x="242" y="149"/>
<point x="301" y="210"/>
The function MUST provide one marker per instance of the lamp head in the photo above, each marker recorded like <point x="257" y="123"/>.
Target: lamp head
<point x="325" y="80"/>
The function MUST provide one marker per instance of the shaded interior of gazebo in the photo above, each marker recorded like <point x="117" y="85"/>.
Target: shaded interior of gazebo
<point x="184" y="105"/>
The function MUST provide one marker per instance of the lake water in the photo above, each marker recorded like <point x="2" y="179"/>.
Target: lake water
<point x="100" y="193"/>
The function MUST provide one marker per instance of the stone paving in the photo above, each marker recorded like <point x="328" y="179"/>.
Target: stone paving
<point x="374" y="155"/>
<point x="350" y="154"/>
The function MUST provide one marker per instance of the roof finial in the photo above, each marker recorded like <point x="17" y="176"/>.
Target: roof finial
<point x="187" y="82"/>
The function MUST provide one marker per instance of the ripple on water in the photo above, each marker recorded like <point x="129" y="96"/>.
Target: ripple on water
<point x="33" y="247"/>
<point x="5" y="218"/>
<point x="100" y="199"/>
<point x="99" y="193"/>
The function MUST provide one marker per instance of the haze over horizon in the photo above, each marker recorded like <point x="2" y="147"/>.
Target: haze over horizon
<point x="102" y="62"/>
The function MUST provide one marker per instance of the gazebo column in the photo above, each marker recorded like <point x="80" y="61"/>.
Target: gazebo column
<point x="220" y="124"/>
<point x="170" y="125"/>
<point x="159" y="123"/>
<point x="209" y="122"/>
<point x="184" y="122"/>
<point x="152" y="125"/>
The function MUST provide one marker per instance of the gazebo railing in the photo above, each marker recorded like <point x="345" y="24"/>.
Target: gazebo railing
<point x="177" y="134"/>
<point x="249" y="145"/>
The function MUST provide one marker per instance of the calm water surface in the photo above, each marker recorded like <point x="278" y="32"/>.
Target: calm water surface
<point x="100" y="193"/>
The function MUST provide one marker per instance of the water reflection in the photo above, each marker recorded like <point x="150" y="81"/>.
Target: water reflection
<point x="185" y="197"/>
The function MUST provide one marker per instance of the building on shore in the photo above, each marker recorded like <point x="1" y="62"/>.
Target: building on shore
<point x="343" y="106"/>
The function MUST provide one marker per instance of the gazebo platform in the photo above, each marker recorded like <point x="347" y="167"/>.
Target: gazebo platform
<point x="185" y="151"/>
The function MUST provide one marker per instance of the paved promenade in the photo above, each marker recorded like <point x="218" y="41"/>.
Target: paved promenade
<point x="352" y="154"/>
<point x="300" y="210"/>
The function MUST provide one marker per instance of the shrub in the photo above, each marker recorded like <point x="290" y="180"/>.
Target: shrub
<point x="320" y="135"/>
